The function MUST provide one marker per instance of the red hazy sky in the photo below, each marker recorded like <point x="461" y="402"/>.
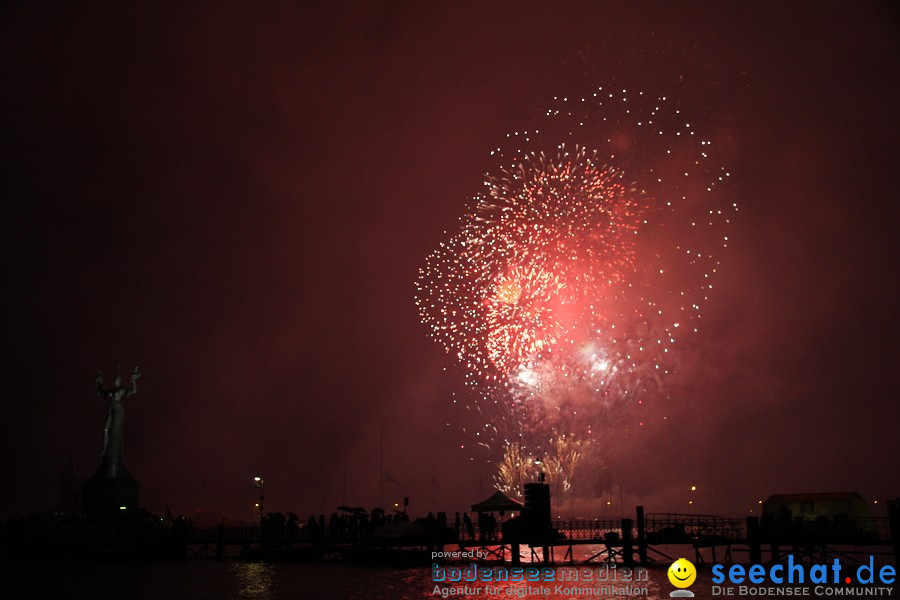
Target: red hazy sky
<point x="238" y="199"/>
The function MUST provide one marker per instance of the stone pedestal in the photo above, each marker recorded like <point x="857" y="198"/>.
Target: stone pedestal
<point x="109" y="489"/>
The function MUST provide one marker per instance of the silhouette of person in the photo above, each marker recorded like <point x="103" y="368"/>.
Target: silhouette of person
<point x="467" y="523"/>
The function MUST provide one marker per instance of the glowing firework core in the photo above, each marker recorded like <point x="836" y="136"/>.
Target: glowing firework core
<point x="551" y="235"/>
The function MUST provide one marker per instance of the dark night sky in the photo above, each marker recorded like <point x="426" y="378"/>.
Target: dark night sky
<point x="238" y="199"/>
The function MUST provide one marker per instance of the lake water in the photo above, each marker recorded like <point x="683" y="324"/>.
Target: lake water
<point x="202" y="578"/>
<point x="205" y="578"/>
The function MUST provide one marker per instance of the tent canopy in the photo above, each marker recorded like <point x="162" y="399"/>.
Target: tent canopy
<point x="499" y="501"/>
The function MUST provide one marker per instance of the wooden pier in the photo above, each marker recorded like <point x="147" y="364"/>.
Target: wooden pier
<point x="641" y="540"/>
<point x="713" y="539"/>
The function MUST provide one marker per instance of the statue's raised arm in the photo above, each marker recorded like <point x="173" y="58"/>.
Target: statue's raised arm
<point x="134" y="378"/>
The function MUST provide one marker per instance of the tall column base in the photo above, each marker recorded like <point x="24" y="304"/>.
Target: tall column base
<point x="110" y="489"/>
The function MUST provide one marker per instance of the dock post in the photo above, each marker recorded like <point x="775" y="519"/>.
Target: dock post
<point x="627" y="543"/>
<point x="753" y="541"/>
<point x="642" y="536"/>
<point x="220" y="542"/>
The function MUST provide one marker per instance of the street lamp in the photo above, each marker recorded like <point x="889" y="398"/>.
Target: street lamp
<point x="261" y="484"/>
<point x="540" y="463"/>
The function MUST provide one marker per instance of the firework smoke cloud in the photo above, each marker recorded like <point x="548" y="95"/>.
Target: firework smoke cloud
<point x="577" y="275"/>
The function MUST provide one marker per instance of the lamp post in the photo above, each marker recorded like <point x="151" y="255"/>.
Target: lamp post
<point x="260" y="483"/>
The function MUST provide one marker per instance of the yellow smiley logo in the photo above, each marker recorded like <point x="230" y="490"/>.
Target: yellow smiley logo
<point x="682" y="573"/>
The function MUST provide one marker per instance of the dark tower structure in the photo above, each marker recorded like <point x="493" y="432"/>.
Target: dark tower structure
<point x="536" y="513"/>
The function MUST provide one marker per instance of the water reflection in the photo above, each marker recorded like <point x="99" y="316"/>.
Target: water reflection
<point x="560" y="583"/>
<point x="255" y="580"/>
<point x="202" y="578"/>
<point x="327" y="581"/>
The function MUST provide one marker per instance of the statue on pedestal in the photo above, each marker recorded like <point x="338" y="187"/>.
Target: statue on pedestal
<point x="115" y="414"/>
<point x="112" y="488"/>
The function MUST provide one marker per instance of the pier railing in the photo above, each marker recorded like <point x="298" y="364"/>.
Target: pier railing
<point x="588" y="530"/>
<point x="675" y="528"/>
<point x="676" y="525"/>
<point x="658" y="528"/>
<point x="230" y="535"/>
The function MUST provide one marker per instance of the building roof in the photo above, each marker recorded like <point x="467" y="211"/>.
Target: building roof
<point x="499" y="501"/>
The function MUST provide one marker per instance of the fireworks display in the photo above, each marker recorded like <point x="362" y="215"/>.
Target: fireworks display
<point x="581" y="267"/>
